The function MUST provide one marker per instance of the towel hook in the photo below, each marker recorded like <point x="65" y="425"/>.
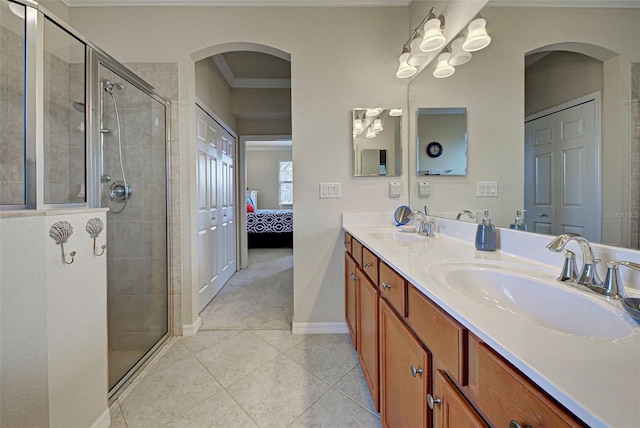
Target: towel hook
<point x="94" y="227"/>
<point x="60" y="232"/>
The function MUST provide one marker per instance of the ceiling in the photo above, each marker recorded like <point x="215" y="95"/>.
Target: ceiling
<point x="243" y="69"/>
<point x="334" y="3"/>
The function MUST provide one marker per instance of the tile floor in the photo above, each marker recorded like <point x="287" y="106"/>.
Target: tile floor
<point x="244" y="368"/>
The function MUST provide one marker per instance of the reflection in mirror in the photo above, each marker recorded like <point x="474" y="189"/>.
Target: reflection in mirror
<point x="493" y="88"/>
<point x="442" y="141"/>
<point x="402" y="215"/>
<point x="377" y="142"/>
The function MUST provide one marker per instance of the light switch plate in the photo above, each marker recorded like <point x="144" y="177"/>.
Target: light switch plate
<point x="330" y="190"/>
<point x="487" y="188"/>
<point x="423" y="189"/>
<point x="394" y="189"/>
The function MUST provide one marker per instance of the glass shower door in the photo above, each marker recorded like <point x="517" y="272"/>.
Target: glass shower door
<point x="133" y="185"/>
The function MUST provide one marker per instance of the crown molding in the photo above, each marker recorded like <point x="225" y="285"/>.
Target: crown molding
<point x="241" y="82"/>
<point x="240" y="3"/>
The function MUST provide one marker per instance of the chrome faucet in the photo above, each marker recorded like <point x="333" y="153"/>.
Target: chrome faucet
<point x="469" y="213"/>
<point x="612" y="285"/>
<point x="425" y="227"/>
<point x="589" y="274"/>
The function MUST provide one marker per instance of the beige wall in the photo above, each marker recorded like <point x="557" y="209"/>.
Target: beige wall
<point x="491" y="86"/>
<point x="329" y="78"/>
<point x="560" y="77"/>
<point x="213" y="90"/>
<point x="262" y="175"/>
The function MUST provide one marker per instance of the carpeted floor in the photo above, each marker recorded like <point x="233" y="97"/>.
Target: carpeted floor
<point x="259" y="297"/>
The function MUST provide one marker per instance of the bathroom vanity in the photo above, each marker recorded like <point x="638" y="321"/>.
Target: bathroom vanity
<point x="457" y="337"/>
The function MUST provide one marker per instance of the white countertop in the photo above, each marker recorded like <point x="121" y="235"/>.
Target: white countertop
<point x="596" y="379"/>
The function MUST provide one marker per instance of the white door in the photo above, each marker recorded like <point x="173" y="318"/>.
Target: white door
<point x="562" y="170"/>
<point x="215" y="201"/>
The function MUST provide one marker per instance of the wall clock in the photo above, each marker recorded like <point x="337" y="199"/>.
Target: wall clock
<point x="434" y="149"/>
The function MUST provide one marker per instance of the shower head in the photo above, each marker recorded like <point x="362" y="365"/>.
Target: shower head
<point x="78" y="106"/>
<point x="109" y="86"/>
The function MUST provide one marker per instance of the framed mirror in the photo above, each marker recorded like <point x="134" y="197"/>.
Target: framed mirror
<point x="442" y="141"/>
<point x="377" y="142"/>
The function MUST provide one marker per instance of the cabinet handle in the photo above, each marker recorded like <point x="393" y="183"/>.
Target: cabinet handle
<point x="415" y="371"/>
<point x="366" y="265"/>
<point x="432" y="402"/>
<point x="351" y="273"/>
<point x="516" y="424"/>
<point x="386" y="286"/>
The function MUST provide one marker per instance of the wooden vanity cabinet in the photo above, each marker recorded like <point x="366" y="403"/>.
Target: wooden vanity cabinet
<point x="405" y="374"/>
<point x="444" y="336"/>
<point x="451" y="409"/>
<point x="368" y="335"/>
<point x="393" y="287"/>
<point x="350" y="297"/>
<point x="506" y="397"/>
<point x="370" y="264"/>
<point x="347" y="242"/>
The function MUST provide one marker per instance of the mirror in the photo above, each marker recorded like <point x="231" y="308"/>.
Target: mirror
<point x="442" y="141"/>
<point x="492" y="88"/>
<point x="377" y="142"/>
<point x="402" y="215"/>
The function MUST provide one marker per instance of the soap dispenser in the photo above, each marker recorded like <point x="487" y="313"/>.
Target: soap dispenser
<point x="518" y="223"/>
<point x="486" y="234"/>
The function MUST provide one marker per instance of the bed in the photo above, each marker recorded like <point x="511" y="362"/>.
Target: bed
<point x="270" y="229"/>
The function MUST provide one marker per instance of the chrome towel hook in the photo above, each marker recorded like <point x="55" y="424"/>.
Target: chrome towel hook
<point x="60" y="232"/>
<point x="94" y="227"/>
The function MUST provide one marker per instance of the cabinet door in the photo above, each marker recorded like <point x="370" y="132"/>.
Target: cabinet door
<point x="451" y="409"/>
<point x="368" y="334"/>
<point x="350" y="294"/>
<point x="405" y="371"/>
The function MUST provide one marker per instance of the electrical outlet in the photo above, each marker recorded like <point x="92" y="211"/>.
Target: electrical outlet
<point x="423" y="189"/>
<point x="487" y="188"/>
<point x="394" y="189"/>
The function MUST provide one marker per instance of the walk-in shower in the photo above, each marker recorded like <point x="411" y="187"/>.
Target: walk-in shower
<point x="132" y="154"/>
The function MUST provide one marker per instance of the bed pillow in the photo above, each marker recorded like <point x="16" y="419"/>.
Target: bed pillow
<point x="250" y="208"/>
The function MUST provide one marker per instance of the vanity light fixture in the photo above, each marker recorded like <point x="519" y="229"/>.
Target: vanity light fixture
<point x="458" y="55"/>
<point x="416" y="56"/>
<point x="405" y="69"/>
<point x="377" y="126"/>
<point x="357" y="126"/>
<point x="443" y="69"/>
<point x="477" y="37"/>
<point x="433" y="38"/>
<point x="395" y="112"/>
<point x="371" y="112"/>
<point x="17" y="9"/>
<point x="371" y="133"/>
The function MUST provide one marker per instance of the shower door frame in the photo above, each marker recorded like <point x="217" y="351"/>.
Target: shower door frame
<point x="95" y="59"/>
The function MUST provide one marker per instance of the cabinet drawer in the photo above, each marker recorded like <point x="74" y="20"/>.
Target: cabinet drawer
<point x="505" y="395"/>
<point x="445" y="337"/>
<point x="370" y="265"/>
<point x="356" y="251"/>
<point x="347" y="242"/>
<point x="393" y="287"/>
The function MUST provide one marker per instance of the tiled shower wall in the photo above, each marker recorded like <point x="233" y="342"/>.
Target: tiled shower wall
<point x="11" y="118"/>
<point x="164" y="78"/>
<point x="634" y="187"/>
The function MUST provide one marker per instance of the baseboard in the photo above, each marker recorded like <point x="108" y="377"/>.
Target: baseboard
<point x="104" y="421"/>
<point x="319" y="328"/>
<point x="192" y="329"/>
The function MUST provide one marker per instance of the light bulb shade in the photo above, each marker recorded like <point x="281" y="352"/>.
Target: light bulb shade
<point x="417" y="57"/>
<point x="370" y="133"/>
<point x="443" y="69"/>
<point x="395" y="112"/>
<point x="458" y="55"/>
<point x="477" y="38"/>
<point x="372" y="112"/>
<point x="404" y="69"/>
<point x="377" y="125"/>
<point x="357" y="126"/>
<point x="433" y="38"/>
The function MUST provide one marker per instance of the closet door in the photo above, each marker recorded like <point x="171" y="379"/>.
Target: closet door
<point x="227" y="258"/>
<point x="207" y="178"/>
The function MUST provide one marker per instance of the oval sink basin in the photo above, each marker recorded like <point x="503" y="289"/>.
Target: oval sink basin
<point x="402" y="238"/>
<point x="550" y="305"/>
